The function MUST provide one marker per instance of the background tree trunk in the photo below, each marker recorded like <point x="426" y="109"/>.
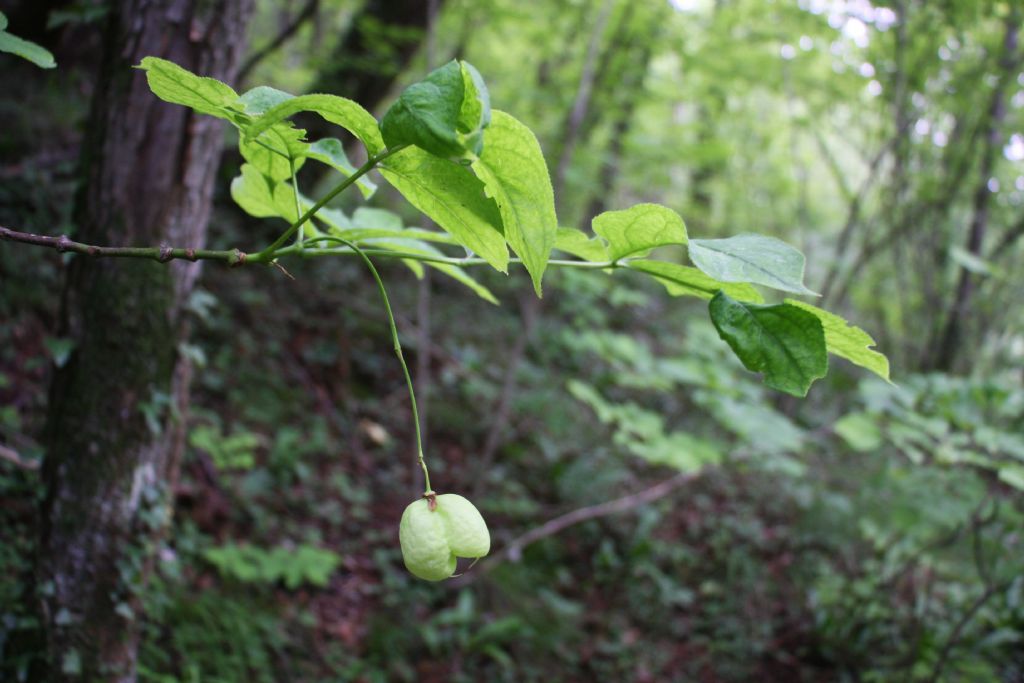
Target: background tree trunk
<point x="116" y="419"/>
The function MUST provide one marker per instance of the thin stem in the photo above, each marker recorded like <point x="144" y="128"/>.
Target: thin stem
<point x="448" y="260"/>
<point x="398" y="351"/>
<point x="295" y="196"/>
<point x="237" y="257"/>
<point x="270" y="252"/>
<point x="232" y="257"/>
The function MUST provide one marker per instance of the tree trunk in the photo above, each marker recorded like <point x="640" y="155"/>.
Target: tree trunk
<point x="950" y="339"/>
<point x="115" y="427"/>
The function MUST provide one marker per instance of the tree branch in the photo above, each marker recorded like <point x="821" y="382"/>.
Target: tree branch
<point x="307" y="12"/>
<point x="514" y="550"/>
<point x="163" y="254"/>
<point x="11" y="455"/>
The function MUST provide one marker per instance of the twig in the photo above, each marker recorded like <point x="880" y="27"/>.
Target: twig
<point x="10" y="455"/>
<point x="163" y="254"/>
<point x="954" y="637"/>
<point x="307" y="12"/>
<point x="514" y="550"/>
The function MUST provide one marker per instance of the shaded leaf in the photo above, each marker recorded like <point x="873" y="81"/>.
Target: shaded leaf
<point x="258" y="101"/>
<point x="37" y="54"/>
<point x="784" y="343"/>
<point x="443" y="114"/>
<point x="860" y="431"/>
<point x="751" y="258"/>
<point x="331" y="152"/>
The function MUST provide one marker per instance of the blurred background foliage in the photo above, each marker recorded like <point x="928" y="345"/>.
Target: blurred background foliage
<point x="871" y="532"/>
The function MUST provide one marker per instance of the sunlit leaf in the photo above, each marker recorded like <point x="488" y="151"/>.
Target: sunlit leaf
<point x="578" y="243"/>
<point x="848" y="341"/>
<point x="515" y="175"/>
<point x="638" y="229"/>
<point x="682" y="280"/>
<point x="453" y="197"/>
<point x="171" y="83"/>
<point x="338" y="110"/>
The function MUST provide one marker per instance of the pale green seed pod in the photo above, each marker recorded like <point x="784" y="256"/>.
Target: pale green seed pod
<point x="432" y="539"/>
<point x="467" y="531"/>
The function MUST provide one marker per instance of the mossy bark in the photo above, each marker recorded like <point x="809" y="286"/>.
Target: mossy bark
<point x="115" y="430"/>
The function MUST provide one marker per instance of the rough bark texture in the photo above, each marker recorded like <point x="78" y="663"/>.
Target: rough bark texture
<point x="114" y="433"/>
<point x="950" y="340"/>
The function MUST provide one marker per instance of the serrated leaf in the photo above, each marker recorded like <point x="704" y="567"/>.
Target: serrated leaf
<point x="751" y="258"/>
<point x="784" y="343"/>
<point x="273" y="152"/>
<point x="171" y="83"/>
<point x="514" y="172"/>
<point x="682" y="280"/>
<point x="443" y="114"/>
<point x="330" y="151"/>
<point x="37" y="54"/>
<point x="847" y="341"/>
<point x="638" y="229"/>
<point x="453" y="198"/>
<point x="578" y="243"/>
<point x="338" y="110"/>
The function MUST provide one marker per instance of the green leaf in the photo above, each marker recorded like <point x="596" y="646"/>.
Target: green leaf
<point x="443" y="114"/>
<point x="1013" y="475"/>
<point x="332" y="108"/>
<point x="848" y="341"/>
<point x="260" y="100"/>
<point x="475" y="113"/>
<point x="271" y="151"/>
<point x="453" y="198"/>
<point x="682" y="280"/>
<point x="261" y="197"/>
<point x="751" y="258"/>
<point x="860" y="431"/>
<point x="171" y="83"/>
<point x="414" y="246"/>
<point x="785" y="343"/>
<point x="638" y="229"/>
<point x="331" y="152"/>
<point x="578" y="243"/>
<point x="514" y="173"/>
<point x="25" y="49"/>
<point x="369" y="223"/>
